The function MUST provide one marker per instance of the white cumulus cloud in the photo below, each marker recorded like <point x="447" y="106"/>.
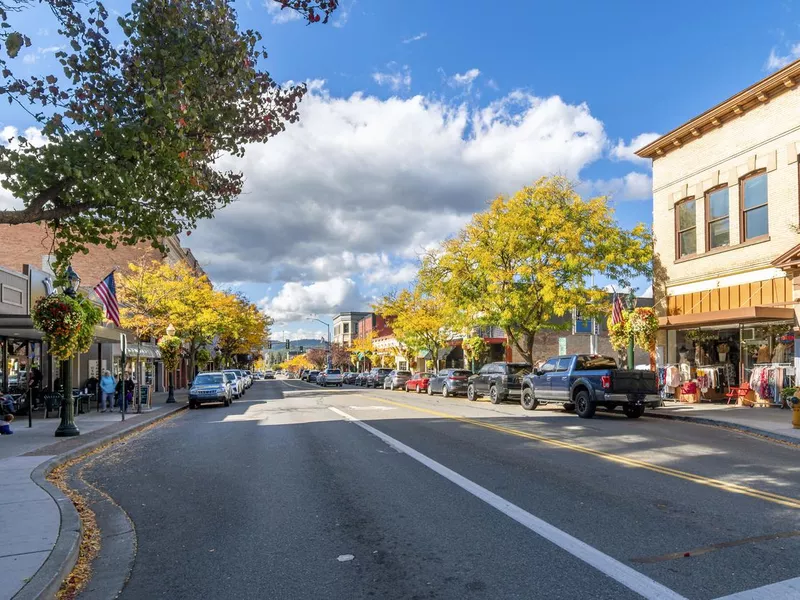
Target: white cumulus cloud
<point x="633" y="186"/>
<point x="464" y="79"/>
<point x="627" y="151"/>
<point x="359" y="177"/>
<point x="296" y="301"/>
<point x="396" y="77"/>
<point x="777" y="61"/>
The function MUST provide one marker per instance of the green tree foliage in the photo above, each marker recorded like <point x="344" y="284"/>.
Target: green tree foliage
<point x="138" y="116"/>
<point x="529" y="258"/>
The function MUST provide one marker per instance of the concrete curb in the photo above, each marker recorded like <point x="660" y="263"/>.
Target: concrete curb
<point x="47" y="580"/>
<point x="786" y="439"/>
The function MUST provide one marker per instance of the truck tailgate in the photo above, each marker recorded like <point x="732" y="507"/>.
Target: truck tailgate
<point x="633" y="382"/>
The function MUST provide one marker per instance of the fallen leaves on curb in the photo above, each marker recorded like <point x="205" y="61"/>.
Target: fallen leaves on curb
<point x="90" y="536"/>
<point x="90" y="533"/>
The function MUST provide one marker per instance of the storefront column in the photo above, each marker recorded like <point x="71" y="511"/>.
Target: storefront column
<point x="4" y="369"/>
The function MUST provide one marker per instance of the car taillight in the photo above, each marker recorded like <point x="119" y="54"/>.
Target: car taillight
<point x="605" y="381"/>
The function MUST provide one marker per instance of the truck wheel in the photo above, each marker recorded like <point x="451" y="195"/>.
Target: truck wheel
<point x="633" y="411"/>
<point x="494" y="396"/>
<point x="528" y="401"/>
<point x="584" y="405"/>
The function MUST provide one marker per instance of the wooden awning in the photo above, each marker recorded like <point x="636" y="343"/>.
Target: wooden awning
<point x="789" y="260"/>
<point x="747" y="314"/>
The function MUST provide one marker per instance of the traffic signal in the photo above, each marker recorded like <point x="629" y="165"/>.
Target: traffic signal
<point x="269" y="345"/>
<point x="287" y="344"/>
<point x="301" y="348"/>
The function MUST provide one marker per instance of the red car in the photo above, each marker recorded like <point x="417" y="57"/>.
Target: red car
<point x="418" y="382"/>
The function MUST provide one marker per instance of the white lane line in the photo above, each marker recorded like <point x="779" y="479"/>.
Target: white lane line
<point x="783" y="590"/>
<point x="630" y="578"/>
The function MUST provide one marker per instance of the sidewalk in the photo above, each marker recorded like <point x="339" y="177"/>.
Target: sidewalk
<point x="30" y="517"/>
<point x="770" y="422"/>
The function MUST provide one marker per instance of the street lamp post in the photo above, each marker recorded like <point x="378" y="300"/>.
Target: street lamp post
<point x="67" y="427"/>
<point x="329" y="337"/>
<point x="171" y="395"/>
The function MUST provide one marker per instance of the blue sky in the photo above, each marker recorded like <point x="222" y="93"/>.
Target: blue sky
<point x="420" y="111"/>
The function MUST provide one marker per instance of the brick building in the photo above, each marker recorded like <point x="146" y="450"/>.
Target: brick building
<point x="28" y="247"/>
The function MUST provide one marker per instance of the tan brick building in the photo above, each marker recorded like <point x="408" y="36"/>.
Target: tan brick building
<point x="726" y="211"/>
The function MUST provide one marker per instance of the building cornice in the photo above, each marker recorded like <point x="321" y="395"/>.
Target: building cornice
<point x="734" y="107"/>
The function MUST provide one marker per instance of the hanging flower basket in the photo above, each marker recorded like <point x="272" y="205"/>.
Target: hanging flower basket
<point x="170" y="346"/>
<point x="67" y="323"/>
<point x="641" y="323"/>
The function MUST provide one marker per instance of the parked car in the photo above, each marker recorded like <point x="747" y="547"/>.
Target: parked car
<point x="396" y="379"/>
<point x="269" y="374"/>
<point x="582" y="382"/>
<point x="349" y="377"/>
<point x="449" y="382"/>
<point x="210" y="387"/>
<point x="418" y="382"/>
<point x="330" y="377"/>
<point x="499" y="380"/>
<point x="312" y="376"/>
<point x="361" y="378"/>
<point x="376" y="376"/>
<point x="303" y="375"/>
<point x="243" y="376"/>
<point x="237" y="383"/>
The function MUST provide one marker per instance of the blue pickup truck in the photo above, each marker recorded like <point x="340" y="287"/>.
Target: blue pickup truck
<point x="582" y="382"/>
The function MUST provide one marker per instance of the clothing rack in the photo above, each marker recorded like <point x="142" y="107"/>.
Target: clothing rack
<point x="768" y="379"/>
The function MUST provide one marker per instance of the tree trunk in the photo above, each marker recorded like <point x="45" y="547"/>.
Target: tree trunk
<point x="192" y="353"/>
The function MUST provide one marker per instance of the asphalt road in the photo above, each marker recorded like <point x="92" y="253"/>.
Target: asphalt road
<point x="299" y="492"/>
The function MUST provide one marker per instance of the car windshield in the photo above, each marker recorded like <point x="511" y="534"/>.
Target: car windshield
<point x="458" y="373"/>
<point x="592" y="363"/>
<point x="423" y="375"/>
<point x="313" y="372"/>
<point x="519" y="369"/>
<point x="333" y="372"/>
<point x="208" y="380"/>
<point x="404" y="373"/>
<point x="230" y="376"/>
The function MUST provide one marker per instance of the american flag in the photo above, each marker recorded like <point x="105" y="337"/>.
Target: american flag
<point x="616" y="312"/>
<point x="106" y="290"/>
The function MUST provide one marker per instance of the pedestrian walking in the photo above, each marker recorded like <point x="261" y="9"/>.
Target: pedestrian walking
<point x="107" y="387"/>
<point x="127" y="388"/>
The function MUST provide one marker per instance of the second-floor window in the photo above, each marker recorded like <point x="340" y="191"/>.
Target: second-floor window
<point x="686" y="228"/>
<point x="346" y="328"/>
<point x="754" y="207"/>
<point x="717" y="219"/>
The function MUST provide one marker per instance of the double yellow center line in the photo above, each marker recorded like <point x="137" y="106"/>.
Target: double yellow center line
<point x="628" y="462"/>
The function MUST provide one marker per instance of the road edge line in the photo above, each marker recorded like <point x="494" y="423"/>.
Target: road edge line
<point x="610" y="567"/>
<point x="62" y="558"/>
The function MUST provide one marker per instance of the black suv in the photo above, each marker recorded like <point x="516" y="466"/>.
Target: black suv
<point x="499" y="380"/>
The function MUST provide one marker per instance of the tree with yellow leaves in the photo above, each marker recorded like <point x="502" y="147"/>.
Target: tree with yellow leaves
<point x="419" y="320"/>
<point x="244" y="330"/>
<point x="529" y="259"/>
<point x="362" y="350"/>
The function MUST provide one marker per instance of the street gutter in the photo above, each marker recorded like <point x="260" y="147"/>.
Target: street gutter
<point x="747" y="429"/>
<point x="46" y="582"/>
